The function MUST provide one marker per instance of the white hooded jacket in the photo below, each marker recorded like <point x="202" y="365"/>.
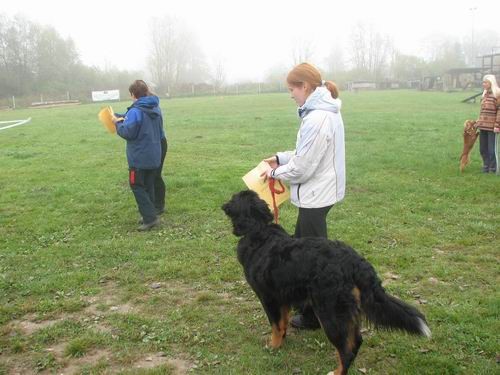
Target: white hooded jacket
<point x="316" y="169"/>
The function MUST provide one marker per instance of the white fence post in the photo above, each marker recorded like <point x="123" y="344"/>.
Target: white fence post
<point x="13" y="102"/>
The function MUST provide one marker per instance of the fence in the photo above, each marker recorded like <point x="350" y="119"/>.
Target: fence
<point x="186" y="90"/>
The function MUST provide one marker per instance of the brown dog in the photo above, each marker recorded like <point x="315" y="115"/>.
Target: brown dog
<point x="470" y="136"/>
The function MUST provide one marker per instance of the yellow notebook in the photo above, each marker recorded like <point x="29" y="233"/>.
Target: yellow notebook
<point x="255" y="182"/>
<point x="105" y="116"/>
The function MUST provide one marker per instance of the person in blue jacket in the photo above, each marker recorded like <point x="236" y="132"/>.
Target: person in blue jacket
<point x="142" y="128"/>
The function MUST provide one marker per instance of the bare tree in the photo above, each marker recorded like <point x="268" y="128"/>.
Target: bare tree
<point x="219" y="75"/>
<point x="276" y="74"/>
<point x="370" y="50"/>
<point x="163" y="51"/>
<point x="302" y="50"/>
<point x="485" y="42"/>
<point x="335" y="60"/>
<point x="190" y="66"/>
<point x="443" y="52"/>
<point x="175" y="55"/>
<point x="380" y="50"/>
<point x="359" y="48"/>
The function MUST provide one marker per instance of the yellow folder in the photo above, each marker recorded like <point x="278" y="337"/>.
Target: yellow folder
<point x="255" y="182"/>
<point x="105" y="116"/>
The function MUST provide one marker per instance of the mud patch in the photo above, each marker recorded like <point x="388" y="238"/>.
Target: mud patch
<point x="177" y="365"/>
<point x="70" y="366"/>
<point x="30" y="325"/>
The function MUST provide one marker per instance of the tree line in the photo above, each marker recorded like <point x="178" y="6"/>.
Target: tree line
<point x="369" y="55"/>
<point x="35" y="59"/>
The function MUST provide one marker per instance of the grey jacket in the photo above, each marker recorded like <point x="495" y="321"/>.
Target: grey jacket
<point x="316" y="169"/>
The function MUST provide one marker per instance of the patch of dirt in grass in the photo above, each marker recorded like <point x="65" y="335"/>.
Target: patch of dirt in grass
<point x="15" y="366"/>
<point x="98" y="306"/>
<point x="30" y="324"/>
<point x="74" y="365"/>
<point x="93" y="316"/>
<point x="179" y="295"/>
<point x="107" y="299"/>
<point x="179" y="366"/>
<point x="175" y="293"/>
<point x="57" y="350"/>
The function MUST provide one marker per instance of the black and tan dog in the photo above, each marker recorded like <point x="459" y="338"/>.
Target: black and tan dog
<point x="339" y="284"/>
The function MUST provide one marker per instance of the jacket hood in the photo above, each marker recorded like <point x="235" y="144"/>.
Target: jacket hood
<point x="322" y="99"/>
<point x="149" y="105"/>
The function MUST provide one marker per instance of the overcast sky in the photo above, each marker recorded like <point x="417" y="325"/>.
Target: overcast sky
<point x="251" y="36"/>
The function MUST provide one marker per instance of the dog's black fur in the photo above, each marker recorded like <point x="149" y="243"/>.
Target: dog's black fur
<point x="339" y="284"/>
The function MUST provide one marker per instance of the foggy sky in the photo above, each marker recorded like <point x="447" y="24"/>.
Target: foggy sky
<point x="252" y="36"/>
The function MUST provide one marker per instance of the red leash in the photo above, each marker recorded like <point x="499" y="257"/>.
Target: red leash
<point x="273" y="194"/>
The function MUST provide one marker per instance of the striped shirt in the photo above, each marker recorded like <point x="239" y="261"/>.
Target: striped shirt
<point x="489" y="116"/>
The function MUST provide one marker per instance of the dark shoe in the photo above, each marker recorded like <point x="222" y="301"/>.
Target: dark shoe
<point x="493" y="170"/>
<point x="147" y="226"/>
<point x="485" y="170"/>
<point x="301" y="322"/>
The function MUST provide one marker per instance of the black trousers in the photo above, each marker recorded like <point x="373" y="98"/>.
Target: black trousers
<point x="311" y="222"/>
<point x="142" y="185"/>
<point x="159" y="183"/>
<point x="487" y="149"/>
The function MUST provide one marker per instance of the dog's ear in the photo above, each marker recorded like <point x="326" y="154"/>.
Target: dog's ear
<point x="255" y="207"/>
<point x="260" y="211"/>
<point x="247" y="212"/>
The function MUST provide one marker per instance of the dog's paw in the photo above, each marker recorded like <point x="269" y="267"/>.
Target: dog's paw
<point x="274" y="343"/>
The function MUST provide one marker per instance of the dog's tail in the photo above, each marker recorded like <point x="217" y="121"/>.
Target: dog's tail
<point x="386" y="311"/>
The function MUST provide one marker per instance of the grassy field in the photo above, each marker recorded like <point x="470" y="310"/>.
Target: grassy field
<point x="81" y="291"/>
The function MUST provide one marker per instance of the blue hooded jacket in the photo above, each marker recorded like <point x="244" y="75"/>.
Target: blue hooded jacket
<point x="143" y="130"/>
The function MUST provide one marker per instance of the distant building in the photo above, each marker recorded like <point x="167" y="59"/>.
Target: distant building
<point x="469" y="78"/>
<point x="361" y="85"/>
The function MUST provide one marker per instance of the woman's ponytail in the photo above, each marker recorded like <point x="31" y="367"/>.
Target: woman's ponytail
<point x="332" y="87"/>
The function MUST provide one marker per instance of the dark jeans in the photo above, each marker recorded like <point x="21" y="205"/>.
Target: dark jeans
<point x="311" y="222"/>
<point x="487" y="149"/>
<point x="142" y="185"/>
<point x="159" y="184"/>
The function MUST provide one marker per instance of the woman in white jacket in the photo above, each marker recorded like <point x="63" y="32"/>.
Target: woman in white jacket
<point x="316" y="169"/>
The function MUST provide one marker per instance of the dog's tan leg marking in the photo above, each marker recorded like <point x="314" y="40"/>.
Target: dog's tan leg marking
<point x="357" y="296"/>
<point x="340" y="368"/>
<point x="351" y="339"/>
<point x="276" y="337"/>
<point x="278" y="332"/>
<point x="285" y="318"/>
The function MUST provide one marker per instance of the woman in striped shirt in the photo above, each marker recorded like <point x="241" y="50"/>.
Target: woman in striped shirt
<point x="489" y="122"/>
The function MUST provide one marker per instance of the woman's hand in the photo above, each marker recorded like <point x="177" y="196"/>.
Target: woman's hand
<point x="267" y="173"/>
<point x="272" y="162"/>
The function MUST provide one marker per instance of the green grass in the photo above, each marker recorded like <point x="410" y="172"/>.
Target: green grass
<point x="75" y="275"/>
